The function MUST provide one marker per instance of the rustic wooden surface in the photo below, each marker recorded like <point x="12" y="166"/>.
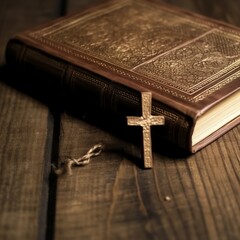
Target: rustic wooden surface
<point x="112" y="197"/>
<point x="26" y="130"/>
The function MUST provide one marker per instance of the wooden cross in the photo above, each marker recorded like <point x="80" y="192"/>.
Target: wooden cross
<point x="146" y="121"/>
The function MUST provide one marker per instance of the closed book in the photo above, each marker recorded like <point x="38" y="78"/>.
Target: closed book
<point x="111" y="53"/>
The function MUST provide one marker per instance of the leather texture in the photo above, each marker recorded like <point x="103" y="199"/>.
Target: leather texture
<point x="114" y="51"/>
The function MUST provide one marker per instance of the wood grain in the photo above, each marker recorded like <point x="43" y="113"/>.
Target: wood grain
<point x="114" y="199"/>
<point x="25" y="135"/>
<point x="194" y="197"/>
<point x="24" y="152"/>
<point x="74" y="6"/>
<point x="182" y="197"/>
<point x="221" y="10"/>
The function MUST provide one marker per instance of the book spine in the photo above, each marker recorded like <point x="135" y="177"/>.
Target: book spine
<point x="73" y="86"/>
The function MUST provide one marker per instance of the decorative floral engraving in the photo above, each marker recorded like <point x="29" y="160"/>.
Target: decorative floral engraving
<point x="129" y="35"/>
<point x="197" y="64"/>
<point x="175" y="53"/>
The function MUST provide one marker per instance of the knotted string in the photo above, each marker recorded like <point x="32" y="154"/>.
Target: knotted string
<point x="66" y="165"/>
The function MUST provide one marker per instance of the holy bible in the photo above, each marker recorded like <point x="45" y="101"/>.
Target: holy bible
<point x="109" y="54"/>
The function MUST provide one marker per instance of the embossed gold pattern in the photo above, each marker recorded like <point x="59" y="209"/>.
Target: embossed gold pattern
<point x="130" y="42"/>
<point x="197" y="64"/>
<point x="174" y="53"/>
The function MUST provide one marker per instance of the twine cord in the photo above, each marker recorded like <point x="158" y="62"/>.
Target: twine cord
<point x="69" y="163"/>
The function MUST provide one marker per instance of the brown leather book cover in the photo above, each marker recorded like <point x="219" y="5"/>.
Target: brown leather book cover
<point x="190" y="63"/>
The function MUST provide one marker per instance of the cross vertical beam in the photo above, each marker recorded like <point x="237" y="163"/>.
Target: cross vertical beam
<point x="146" y="121"/>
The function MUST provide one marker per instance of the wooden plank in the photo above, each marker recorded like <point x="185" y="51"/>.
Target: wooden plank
<point x="222" y="10"/>
<point x="25" y="152"/>
<point x="114" y="199"/>
<point x="193" y="197"/>
<point x="73" y="6"/>
<point x="26" y="131"/>
<point x="17" y="17"/>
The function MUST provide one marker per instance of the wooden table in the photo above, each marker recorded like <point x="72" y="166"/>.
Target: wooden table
<point x="111" y="198"/>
